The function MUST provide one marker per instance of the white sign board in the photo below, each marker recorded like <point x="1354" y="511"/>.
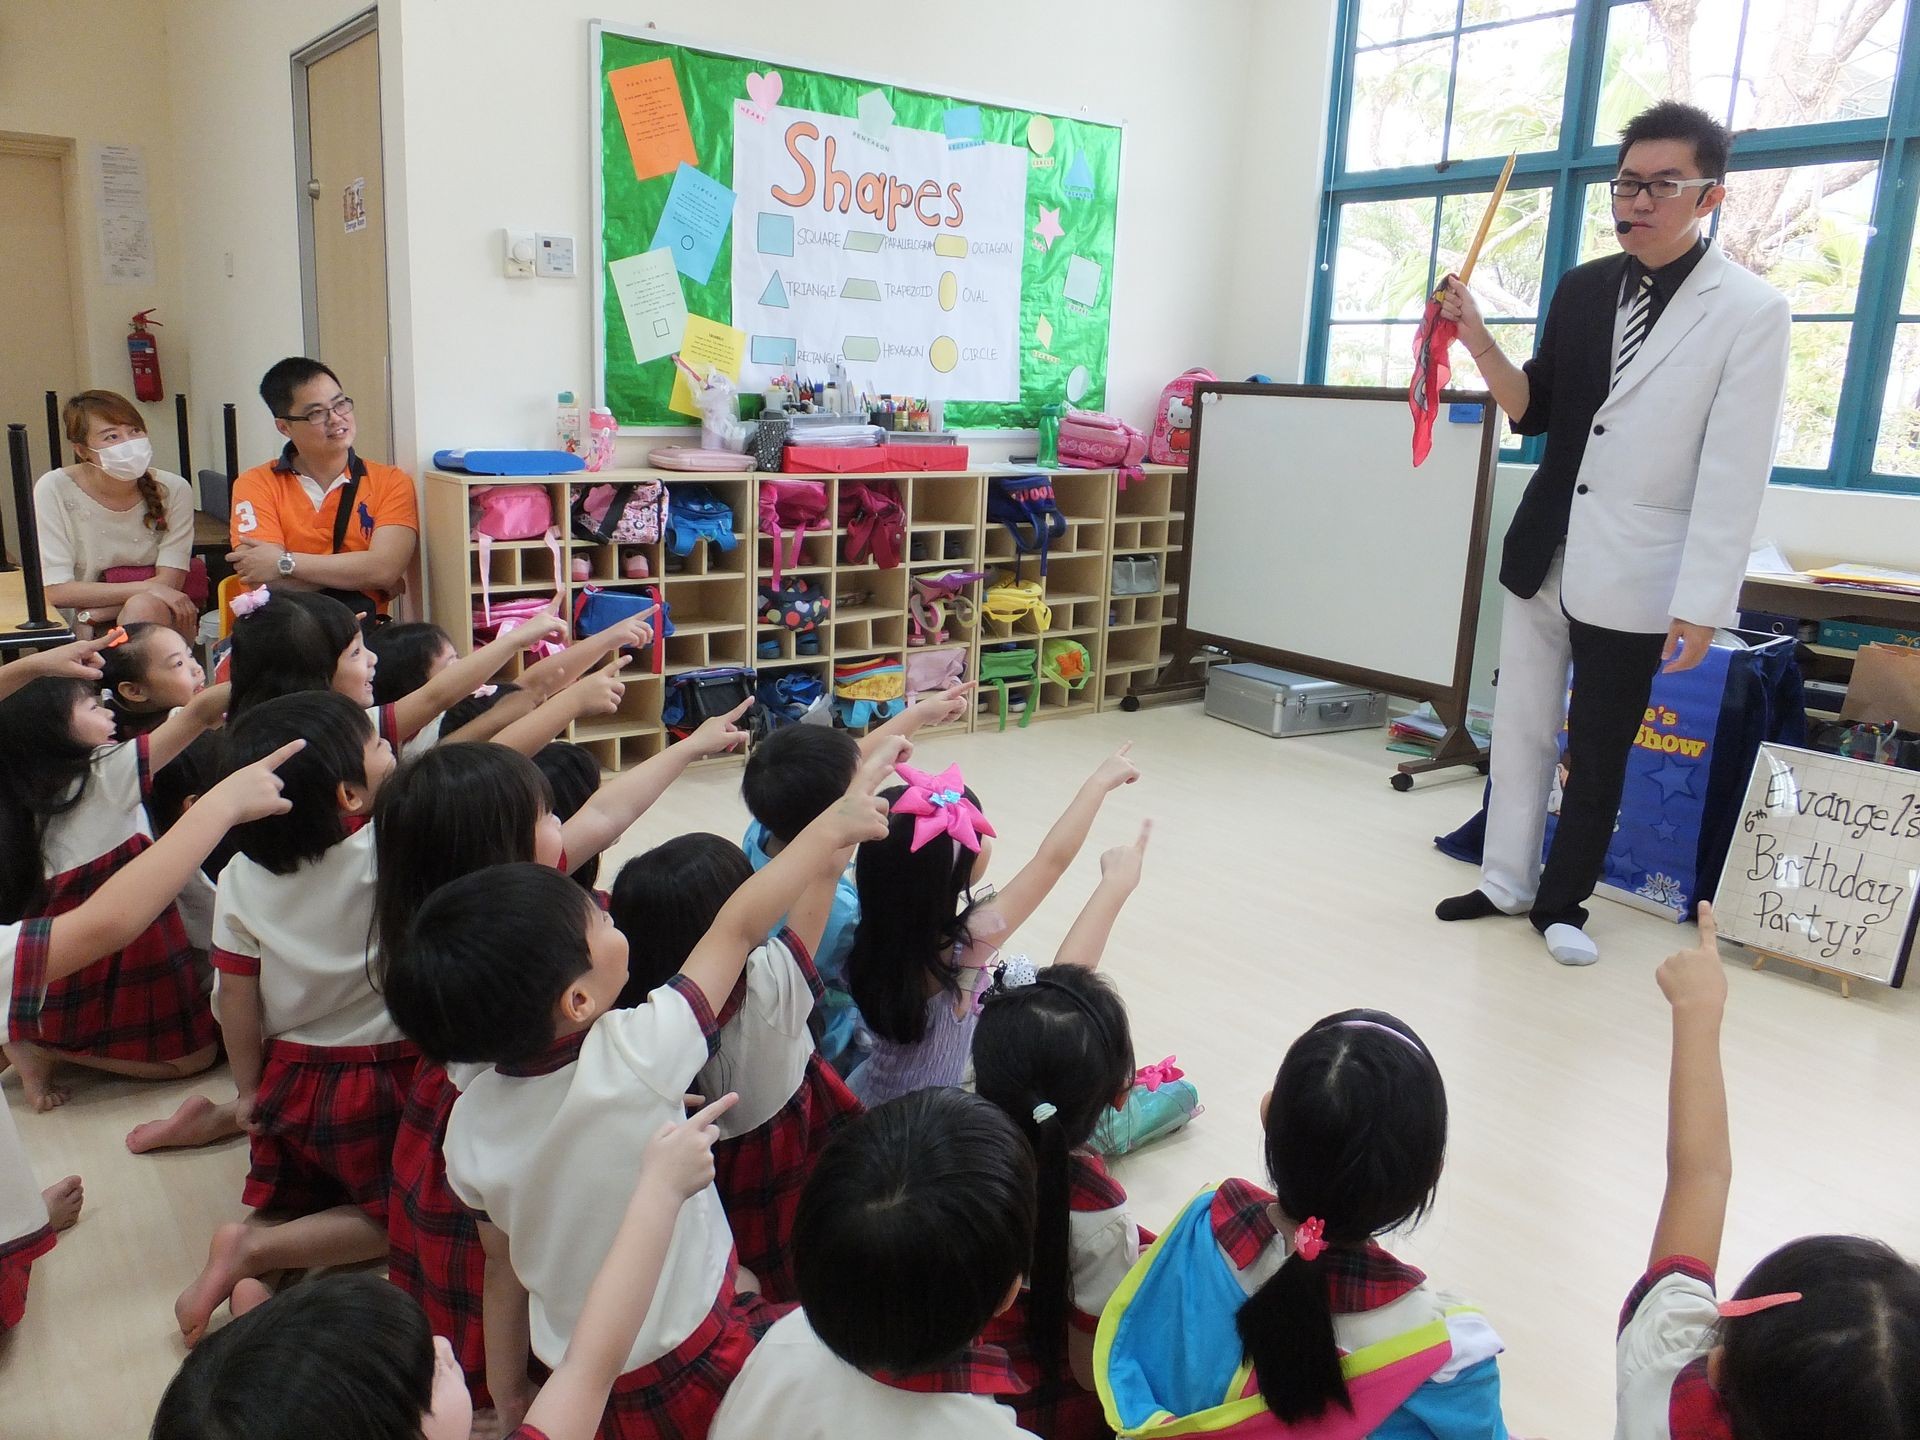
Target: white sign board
<point x="892" y="253"/>
<point x="1825" y="863"/>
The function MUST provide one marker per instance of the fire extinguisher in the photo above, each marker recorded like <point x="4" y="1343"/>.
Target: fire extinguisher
<point x="143" y="353"/>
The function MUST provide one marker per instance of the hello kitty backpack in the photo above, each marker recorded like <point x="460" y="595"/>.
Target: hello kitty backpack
<point x="1173" y="421"/>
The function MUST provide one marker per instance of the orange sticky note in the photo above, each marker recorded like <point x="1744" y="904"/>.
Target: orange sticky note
<point x="654" y="117"/>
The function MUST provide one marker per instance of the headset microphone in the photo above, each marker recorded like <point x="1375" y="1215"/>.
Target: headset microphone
<point x="1622" y="226"/>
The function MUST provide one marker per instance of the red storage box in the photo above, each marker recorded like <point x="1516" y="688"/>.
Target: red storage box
<point x="926" y="457"/>
<point x="834" y="459"/>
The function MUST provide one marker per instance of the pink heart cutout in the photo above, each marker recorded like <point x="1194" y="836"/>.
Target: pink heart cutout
<point x="764" y="90"/>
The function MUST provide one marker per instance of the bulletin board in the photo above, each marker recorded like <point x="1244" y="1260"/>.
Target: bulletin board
<point x="771" y="219"/>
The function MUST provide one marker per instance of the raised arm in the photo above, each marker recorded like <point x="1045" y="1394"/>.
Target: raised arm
<point x="1693" y="1212"/>
<point x="677" y="1165"/>
<point x="76" y="660"/>
<point x="1086" y="942"/>
<point x="817" y="852"/>
<point x="597" y="693"/>
<point x="556" y="672"/>
<point x="1023" y="893"/>
<point x="416" y="711"/>
<point x="205" y="711"/>
<point x="950" y="704"/>
<point x="628" y="796"/>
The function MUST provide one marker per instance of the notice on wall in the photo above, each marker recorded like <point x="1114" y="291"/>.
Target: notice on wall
<point x="353" y="204"/>
<point x="1825" y="863"/>
<point x="125" y="221"/>
<point x="884" y="247"/>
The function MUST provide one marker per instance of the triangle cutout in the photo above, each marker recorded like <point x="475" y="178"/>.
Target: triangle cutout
<point x="776" y="292"/>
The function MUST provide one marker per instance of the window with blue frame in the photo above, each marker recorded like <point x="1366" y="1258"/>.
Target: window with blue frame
<point x="1431" y="95"/>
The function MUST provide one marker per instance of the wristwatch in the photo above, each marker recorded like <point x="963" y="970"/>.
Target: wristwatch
<point x="84" y="617"/>
<point x="286" y="562"/>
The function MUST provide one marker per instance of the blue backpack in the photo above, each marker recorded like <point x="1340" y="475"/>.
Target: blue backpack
<point x="701" y="695"/>
<point x="1016" y="500"/>
<point x="695" y="513"/>
<point x="786" y="697"/>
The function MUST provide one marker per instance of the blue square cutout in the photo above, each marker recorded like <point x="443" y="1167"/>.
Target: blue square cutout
<point x="775" y="235"/>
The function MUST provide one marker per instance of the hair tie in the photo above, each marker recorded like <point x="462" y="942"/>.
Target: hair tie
<point x="481" y="692"/>
<point x="248" y="601"/>
<point x="940" y="806"/>
<point x="1310" y="1239"/>
<point x="1736" y="1309"/>
<point x="115" y="637"/>
<point x="1044" y="1112"/>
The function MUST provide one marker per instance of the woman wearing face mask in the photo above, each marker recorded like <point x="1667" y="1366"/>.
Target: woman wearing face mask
<point x="116" y="535"/>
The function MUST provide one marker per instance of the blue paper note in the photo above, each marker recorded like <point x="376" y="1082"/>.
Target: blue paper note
<point x="962" y="126"/>
<point x="699" y="209"/>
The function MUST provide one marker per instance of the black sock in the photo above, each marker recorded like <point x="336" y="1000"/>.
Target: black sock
<point x="1474" y="905"/>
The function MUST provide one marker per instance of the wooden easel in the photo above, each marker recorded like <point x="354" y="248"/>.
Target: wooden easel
<point x="1760" y="958"/>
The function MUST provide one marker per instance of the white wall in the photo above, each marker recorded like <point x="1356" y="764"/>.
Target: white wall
<point x="65" y="73"/>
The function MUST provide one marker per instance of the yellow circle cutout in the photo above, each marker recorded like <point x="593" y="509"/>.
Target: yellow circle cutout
<point x="1040" y="134"/>
<point x="944" y="354"/>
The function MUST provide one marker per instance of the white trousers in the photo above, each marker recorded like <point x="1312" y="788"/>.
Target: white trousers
<point x="1529" y="707"/>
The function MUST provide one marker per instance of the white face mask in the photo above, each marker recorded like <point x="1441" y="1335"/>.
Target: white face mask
<point x="128" y="460"/>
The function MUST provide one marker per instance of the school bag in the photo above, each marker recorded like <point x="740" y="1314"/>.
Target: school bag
<point x="1012" y="601"/>
<point x="928" y="600"/>
<point x="596" y="609"/>
<point x="510" y="512"/>
<point x="1092" y="440"/>
<point x="791" y="507"/>
<point x="931" y="671"/>
<point x="695" y="513"/>
<point x="1001" y="665"/>
<point x="1136" y="575"/>
<point x="1065" y="662"/>
<point x="1161" y="1101"/>
<point x="788" y="697"/>
<point x="1016" y="500"/>
<point x="1172" y="436"/>
<point x="796" y="604"/>
<point x="865" y="691"/>
<point x="697" y="696"/>
<point x="875" y="521"/>
<point x="496" y="620"/>
<point x="630" y="514"/>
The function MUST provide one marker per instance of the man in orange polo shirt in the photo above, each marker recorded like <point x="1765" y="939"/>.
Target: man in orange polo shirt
<point x="320" y="517"/>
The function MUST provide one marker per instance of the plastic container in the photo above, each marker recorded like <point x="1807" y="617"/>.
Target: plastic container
<point x="601" y="428"/>
<point x="567" y="423"/>
<point x="1049" y="456"/>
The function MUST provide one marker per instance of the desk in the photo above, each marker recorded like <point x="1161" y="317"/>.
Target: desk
<point x="13" y="610"/>
<point x="209" y="531"/>
<point x="1788" y="595"/>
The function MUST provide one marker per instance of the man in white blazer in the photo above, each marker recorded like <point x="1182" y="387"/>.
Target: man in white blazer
<point x="1658" y="384"/>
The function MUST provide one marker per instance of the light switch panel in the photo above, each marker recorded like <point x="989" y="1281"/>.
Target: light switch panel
<point x="555" y="256"/>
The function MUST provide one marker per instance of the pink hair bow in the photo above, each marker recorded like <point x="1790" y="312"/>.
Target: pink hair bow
<point x="248" y="601"/>
<point x="1154" y="1076"/>
<point x="940" y="806"/>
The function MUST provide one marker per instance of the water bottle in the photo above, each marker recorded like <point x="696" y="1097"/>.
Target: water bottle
<point x="601" y="427"/>
<point x="567" y="423"/>
<point x="1049" y="457"/>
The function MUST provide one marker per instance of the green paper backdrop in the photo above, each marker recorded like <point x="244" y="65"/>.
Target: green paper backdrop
<point x="710" y="83"/>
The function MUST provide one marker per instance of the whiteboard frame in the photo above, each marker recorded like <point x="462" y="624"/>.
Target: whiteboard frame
<point x="596" y="116"/>
<point x="1449" y="700"/>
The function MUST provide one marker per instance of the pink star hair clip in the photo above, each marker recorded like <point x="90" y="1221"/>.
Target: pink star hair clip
<point x="1310" y="1239"/>
<point x="940" y="806"/>
<point x="248" y="601"/>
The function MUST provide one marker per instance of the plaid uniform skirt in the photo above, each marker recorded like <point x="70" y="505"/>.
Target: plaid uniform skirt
<point x="16" y="1264"/>
<point x="146" y="1002"/>
<point x="1053" y="1406"/>
<point x="325" y="1119"/>
<point x="433" y="1241"/>
<point x="677" y="1396"/>
<point x="760" y="1174"/>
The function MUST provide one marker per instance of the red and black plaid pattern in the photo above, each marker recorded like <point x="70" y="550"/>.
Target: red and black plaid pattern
<point x="760" y="1174"/>
<point x="325" y="1118"/>
<point x="1242" y="1222"/>
<point x="16" y="1263"/>
<point x="29" y="979"/>
<point x="1090" y="1189"/>
<point x="142" y="1003"/>
<point x="1660" y="1270"/>
<point x="980" y="1369"/>
<point x="1358" y="1279"/>
<point x="1694" y="1408"/>
<point x="676" y="1397"/>
<point x="433" y="1244"/>
<point x="696" y="999"/>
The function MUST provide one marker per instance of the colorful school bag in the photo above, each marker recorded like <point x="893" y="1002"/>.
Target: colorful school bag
<point x="628" y="514"/>
<point x="875" y="520"/>
<point x="798" y="604"/>
<point x="1005" y="665"/>
<point x="1092" y="440"/>
<point x="791" y="508"/>
<point x="1016" y="500"/>
<point x="694" y="514"/>
<point x="701" y="695"/>
<point x="1161" y="1101"/>
<point x="1168" y="1358"/>
<point x="596" y="609"/>
<point x="1172" y="436"/>
<point x="510" y="512"/>
<point x="866" y="691"/>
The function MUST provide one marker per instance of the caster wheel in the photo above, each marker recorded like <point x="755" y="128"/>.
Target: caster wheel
<point x="1129" y="703"/>
<point x="1402" y="783"/>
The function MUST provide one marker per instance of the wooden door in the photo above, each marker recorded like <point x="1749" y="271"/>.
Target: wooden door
<point x="40" y="352"/>
<point x="348" y="218"/>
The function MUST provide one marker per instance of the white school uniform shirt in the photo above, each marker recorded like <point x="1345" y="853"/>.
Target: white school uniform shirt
<point x="1102" y="1244"/>
<point x="383" y="720"/>
<point x="549" y="1152"/>
<point x="763" y="1049"/>
<point x="111" y="812"/>
<point x="23" y="984"/>
<point x="308" y="936"/>
<point x="793" y="1386"/>
<point x="1671" y="1326"/>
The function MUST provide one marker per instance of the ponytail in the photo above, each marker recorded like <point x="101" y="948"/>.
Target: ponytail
<point x="1050" y="1277"/>
<point x="156" y="500"/>
<point x="1286" y="1327"/>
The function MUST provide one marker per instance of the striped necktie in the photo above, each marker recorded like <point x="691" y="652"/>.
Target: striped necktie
<point x="1639" y="323"/>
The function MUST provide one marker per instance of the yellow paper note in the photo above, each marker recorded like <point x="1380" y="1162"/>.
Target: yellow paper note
<point x="708" y="345"/>
<point x="654" y="117"/>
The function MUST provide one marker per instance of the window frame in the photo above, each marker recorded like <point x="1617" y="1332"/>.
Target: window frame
<point x="1577" y="162"/>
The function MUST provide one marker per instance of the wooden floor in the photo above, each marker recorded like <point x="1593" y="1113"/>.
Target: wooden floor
<point x="1285" y="881"/>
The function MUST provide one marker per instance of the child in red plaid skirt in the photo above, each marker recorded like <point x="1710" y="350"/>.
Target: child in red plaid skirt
<point x="515" y="968"/>
<point x="791" y="1100"/>
<point x="349" y="1356"/>
<point x="319" y="1068"/>
<point x="72" y="814"/>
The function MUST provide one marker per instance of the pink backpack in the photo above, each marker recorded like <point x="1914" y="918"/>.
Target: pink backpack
<point x="1173" y="421"/>
<point x="1090" y="440"/>
<point x="794" y="506"/>
<point x="511" y="512"/>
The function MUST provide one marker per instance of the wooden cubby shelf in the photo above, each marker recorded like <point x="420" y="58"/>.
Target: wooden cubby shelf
<point x="714" y="596"/>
